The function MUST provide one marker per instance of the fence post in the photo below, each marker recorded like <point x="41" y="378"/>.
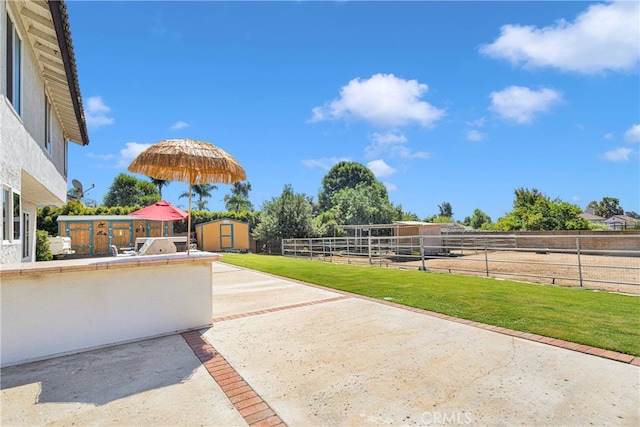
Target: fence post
<point x="486" y="258"/>
<point x="369" y="246"/>
<point x="348" y="258"/>
<point x="310" y="249"/>
<point x="422" y="252"/>
<point x="282" y="247"/>
<point x="579" y="263"/>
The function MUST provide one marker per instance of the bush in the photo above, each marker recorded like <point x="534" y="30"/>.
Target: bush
<point x="43" y="251"/>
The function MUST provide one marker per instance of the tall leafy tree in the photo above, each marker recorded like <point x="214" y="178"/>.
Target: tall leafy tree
<point x="127" y="190"/>
<point x="344" y="175"/>
<point x="607" y="207"/>
<point x="287" y="216"/>
<point x="446" y="209"/>
<point x="160" y="184"/>
<point x="201" y="191"/>
<point x="364" y="204"/>
<point x="479" y="220"/>
<point x="238" y="199"/>
<point x="533" y="211"/>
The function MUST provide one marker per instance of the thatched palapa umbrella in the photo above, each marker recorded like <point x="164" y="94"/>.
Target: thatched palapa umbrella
<point x="188" y="160"/>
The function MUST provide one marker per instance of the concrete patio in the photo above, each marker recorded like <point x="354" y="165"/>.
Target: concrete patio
<point x="282" y="352"/>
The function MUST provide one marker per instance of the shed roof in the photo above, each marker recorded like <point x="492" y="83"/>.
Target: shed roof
<point x="84" y="218"/>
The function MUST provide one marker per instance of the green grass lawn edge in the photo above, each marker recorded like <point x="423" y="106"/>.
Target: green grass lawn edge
<point x="600" y="319"/>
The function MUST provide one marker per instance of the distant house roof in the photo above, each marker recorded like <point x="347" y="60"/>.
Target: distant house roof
<point x="591" y="217"/>
<point x="621" y="219"/>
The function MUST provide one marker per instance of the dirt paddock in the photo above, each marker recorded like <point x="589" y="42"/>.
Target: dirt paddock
<point x="610" y="273"/>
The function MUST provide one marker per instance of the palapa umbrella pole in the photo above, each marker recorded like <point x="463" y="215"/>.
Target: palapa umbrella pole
<point x="189" y="224"/>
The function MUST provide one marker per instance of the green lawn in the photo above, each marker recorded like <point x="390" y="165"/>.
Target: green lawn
<point x="599" y="319"/>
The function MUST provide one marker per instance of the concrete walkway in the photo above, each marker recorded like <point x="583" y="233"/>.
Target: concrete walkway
<point x="281" y="352"/>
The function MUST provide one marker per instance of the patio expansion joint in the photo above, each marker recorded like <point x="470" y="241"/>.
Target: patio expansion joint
<point x="585" y="349"/>
<point x="281" y="308"/>
<point x="253" y="409"/>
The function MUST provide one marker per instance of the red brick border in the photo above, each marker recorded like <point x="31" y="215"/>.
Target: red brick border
<point x="255" y="411"/>
<point x="280" y="308"/>
<point x="594" y="351"/>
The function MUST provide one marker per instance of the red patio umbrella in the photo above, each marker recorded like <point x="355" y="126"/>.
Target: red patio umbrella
<point x="160" y="211"/>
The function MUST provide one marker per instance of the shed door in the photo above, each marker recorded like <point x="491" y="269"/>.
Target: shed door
<point x="226" y="236"/>
<point x="81" y="234"/>
<point x="120" y="233"/>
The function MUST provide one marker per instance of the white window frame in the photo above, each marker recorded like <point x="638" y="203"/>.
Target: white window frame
<point x="9" y="224"/>
<point x="16" y="229"/>
<point x="6" y="211"/>
<point x="14" y="66"/>
<point x="26" y="241"/>
<point x="47" y="124"/>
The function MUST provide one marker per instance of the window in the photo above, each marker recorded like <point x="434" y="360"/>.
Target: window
<point x="11" y="220"/>
<point x="5" y="214"/>
<point x="14" y="56"/>
<point x="47" y="124"/>
<point x="26" y="248"/>
<point x="16" y="216"/>
<point x="66" y="154"/>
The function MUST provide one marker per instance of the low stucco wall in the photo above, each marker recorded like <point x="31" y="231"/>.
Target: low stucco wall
<point x="60" y="307"/>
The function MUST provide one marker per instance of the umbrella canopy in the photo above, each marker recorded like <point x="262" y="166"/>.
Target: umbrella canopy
<point x="161" y="211"/>
<point x="188" y="160"/>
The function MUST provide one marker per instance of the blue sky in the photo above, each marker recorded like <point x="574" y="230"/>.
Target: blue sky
<point x="452" y="101"/>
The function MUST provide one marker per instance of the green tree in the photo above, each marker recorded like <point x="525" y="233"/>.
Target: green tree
<point x="364" y="204"/>
<point x="287" y="216"/>
<point x="127" y="190"/>
<point x="533" y="211"/>
<point x="632" y="214"/>
<point x="401" y="215"/>
<point x="200" y="191"/>
<point x="238" y="199"/>
<point x="344" y="175"/>
<point x="478" y="221"/>
<point x="446" y="210"/>
<point x="160" y="184"/>
<point x="608" y="207"/>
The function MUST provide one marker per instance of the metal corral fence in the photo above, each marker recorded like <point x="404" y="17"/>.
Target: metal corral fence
<point x="607" y="262"/>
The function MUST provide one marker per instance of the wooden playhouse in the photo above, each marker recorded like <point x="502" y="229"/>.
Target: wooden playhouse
<point x="223" y="235"/>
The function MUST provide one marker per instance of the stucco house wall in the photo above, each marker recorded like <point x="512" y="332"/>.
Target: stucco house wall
<point x="27" y="169"/>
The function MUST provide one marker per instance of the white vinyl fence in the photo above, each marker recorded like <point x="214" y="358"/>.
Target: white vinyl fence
<point x="607" y="262"/>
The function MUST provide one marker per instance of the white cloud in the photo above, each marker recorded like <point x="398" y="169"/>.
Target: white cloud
<point x="608" y="136"/>
<point x="382" y="100"/>
<point x="380" y="169"/>
<point x="383" y="143"/>
<point x="475" y="135"/>
<point x="618" y="155"/>
<point x="130" y="152"/>
<point x="179" y="125"/>
<point x="391" y="143"/>
<point x="325" y="163"/>
<point x="105" y="157"/>
<point x="97" y="112"/>
<point x="390" y="186"/>
<point x="632" y="135"/>
<point x="603" y="37"/>
<point x="477" y="122"/>
<point x="521" y="104"/>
